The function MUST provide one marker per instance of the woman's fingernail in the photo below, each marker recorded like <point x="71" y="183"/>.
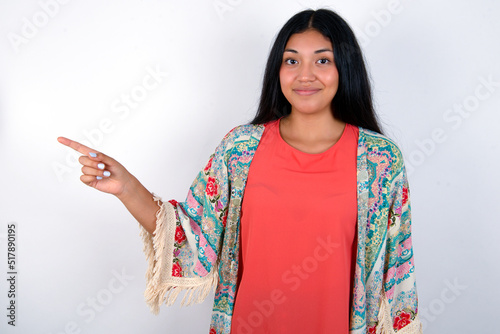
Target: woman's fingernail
<point x="100" y="165"/>
<point x="106" y="173"/>
<point x="92" y="154"/>
<point x="98" y="177"/>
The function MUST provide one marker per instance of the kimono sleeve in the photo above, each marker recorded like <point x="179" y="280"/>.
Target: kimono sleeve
<point x="399" y="307"/>
<point x="183" y="251"/>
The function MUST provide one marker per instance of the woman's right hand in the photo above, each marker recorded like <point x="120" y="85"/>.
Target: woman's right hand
<point x="101" y="171"/>
<point x="108" y="175"/>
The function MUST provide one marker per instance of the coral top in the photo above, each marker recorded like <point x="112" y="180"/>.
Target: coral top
<point x="298" y="238"/>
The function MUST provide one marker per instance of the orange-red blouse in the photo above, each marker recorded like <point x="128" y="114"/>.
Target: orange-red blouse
<point x="298" y="238"/>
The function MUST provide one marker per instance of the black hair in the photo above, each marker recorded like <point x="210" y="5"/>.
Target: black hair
<point x="353" y="101"/>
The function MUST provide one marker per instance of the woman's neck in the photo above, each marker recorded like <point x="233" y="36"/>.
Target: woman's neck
<point x="311" y="133"/>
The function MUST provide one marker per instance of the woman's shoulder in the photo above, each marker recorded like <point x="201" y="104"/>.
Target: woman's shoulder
<point x="375" y="140"/>
<point x="244" y="134"/>
<point x="379" y="145"/>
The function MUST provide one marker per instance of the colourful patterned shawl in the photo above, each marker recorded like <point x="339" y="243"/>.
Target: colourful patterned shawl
<point x="195" y="245"/>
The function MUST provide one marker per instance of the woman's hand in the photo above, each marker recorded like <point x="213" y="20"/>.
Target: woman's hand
<point x="101" y="171"/>
<point x="108" y="175"/>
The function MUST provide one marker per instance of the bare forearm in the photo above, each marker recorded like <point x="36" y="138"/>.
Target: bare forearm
<point x="140" y="203"/>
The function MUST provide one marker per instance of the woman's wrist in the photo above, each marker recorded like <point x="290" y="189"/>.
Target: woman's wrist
<point x="131" y="189"/>
<point x="140" y="203"/>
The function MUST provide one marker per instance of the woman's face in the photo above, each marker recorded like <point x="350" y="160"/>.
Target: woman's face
<point x="308" y="75"/>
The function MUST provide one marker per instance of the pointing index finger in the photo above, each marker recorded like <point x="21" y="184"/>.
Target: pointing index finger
<point x="76" y="146"/>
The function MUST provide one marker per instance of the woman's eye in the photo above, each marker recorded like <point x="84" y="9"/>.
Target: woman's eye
<point x="290" y="61"/>
<point x="324" y="61"/>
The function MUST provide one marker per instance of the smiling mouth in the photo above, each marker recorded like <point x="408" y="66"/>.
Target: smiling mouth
<point x="306" y="92"/>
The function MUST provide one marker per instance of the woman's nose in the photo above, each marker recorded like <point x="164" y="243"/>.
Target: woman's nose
<point x="306" y="73"/>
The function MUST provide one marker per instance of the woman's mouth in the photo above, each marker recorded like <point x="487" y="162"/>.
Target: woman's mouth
<point x="306" y="91"/>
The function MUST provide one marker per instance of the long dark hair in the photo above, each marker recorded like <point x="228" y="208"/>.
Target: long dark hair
<point x="352" y="102"/>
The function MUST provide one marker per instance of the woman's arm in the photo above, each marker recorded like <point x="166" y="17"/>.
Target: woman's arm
<point x="108" y="175"/>
<point x="139" y="202"/>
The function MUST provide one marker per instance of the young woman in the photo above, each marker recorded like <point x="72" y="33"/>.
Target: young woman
<point x="301" y="219"/>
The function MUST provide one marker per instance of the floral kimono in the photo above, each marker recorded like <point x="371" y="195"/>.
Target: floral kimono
<point x="195" y="245"/>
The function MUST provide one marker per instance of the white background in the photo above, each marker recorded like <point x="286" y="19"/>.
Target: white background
<point x="66" y="75"/>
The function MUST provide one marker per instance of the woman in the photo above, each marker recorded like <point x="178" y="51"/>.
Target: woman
<point x="301" y="219"/>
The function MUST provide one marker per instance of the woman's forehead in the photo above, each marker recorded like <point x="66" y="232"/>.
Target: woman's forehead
<point x="310" y="40"/>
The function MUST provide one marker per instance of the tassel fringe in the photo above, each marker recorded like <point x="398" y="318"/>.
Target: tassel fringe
<point x="161" y="287"/>
<point x="385" y="322"/>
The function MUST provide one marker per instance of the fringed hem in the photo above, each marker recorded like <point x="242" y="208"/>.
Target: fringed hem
<point x="161" y="287"/>
<point x="385" y="323"/>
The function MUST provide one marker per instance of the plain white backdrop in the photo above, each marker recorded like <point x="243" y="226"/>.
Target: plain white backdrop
<point x="157" y="84"/>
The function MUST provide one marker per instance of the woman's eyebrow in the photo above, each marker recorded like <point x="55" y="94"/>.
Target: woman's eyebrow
<point x="317" y="51"/>
<point x="323" y="50"/>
